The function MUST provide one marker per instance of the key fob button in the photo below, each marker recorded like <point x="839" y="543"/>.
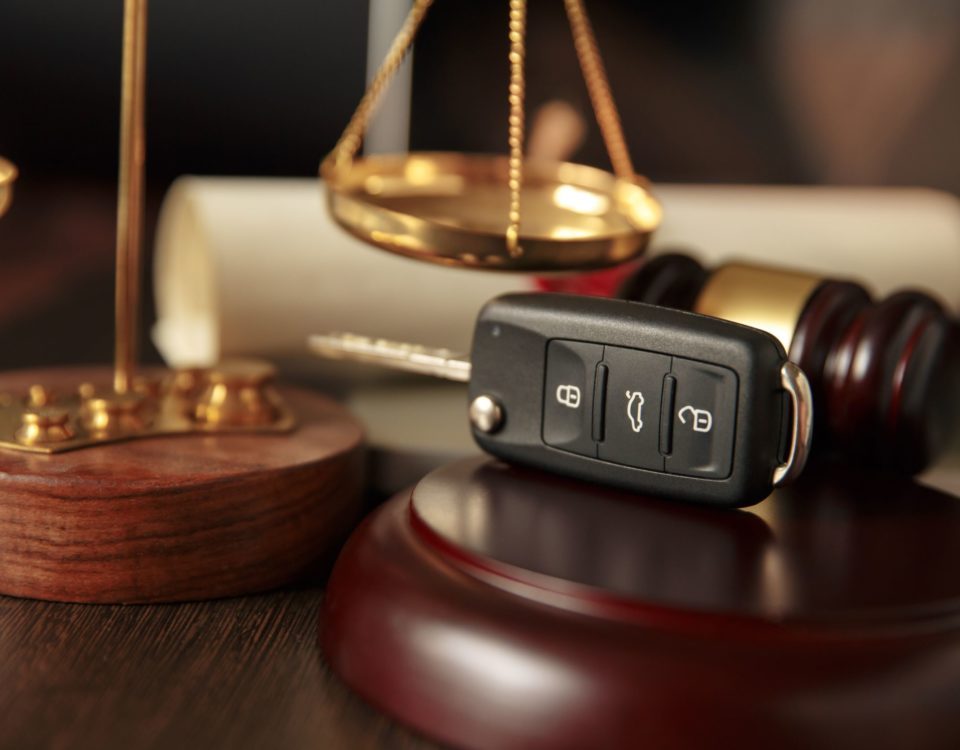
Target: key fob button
<point x="704" y="414"/>
<point x="632" y="407"/>
<point x="568" y="396"/>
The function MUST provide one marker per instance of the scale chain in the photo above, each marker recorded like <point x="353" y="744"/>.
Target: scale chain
<point x="515" y="129"/>
<point x="598" y="87"/>
<point x="349" y="143"/>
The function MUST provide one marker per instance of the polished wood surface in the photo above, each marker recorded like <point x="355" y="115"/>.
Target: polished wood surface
<point x="501" y="607"/>
<point x="177" y="518"/>
<point x="240" y="673"/>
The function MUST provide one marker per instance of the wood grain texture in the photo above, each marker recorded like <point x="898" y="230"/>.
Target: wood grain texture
<point x="180" y="518"/>
<point x="236" y="673"/>
<point x="502" y="607"/>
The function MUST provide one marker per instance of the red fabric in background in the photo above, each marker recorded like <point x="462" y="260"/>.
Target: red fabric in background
<point x="603" y="283"/>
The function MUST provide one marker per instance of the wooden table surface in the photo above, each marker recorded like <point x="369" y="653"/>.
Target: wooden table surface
<point x="237" y="673"/>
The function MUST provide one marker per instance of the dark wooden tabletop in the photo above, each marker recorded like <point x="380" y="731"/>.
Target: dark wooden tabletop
<point x="237" y="673"/>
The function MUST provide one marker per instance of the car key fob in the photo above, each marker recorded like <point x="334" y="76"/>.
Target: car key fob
<point x="654" y="400"/>
<point x="643" y="397"/>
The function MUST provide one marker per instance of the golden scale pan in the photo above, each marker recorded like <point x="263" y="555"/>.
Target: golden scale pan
<point x="8" y="173"/>
<point x="495" y="211"/>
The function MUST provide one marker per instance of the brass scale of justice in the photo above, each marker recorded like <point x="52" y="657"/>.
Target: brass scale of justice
<point x="450" y="208"/>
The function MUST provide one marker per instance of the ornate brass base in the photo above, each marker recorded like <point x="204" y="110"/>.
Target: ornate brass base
<point x="197" y="516"/>
<point x="234" y="396"/>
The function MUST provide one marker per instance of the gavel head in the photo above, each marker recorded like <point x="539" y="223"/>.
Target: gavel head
<point x="885" y="374"/>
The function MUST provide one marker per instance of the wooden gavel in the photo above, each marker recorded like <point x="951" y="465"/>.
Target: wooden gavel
<point x="885" y="373"/>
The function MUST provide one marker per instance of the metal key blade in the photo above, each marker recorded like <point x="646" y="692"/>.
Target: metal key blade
<point x="440" y="363"/>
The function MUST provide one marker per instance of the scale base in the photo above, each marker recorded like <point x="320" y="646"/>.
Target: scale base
<point x="499" y="607"/>
<point x="179" y="517"/>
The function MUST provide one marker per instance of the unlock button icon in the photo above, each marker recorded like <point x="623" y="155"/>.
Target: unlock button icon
<point x="702" y="419"/>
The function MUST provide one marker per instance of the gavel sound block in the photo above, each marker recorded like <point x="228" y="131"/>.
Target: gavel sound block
<point x="884" y="373"/>
<point x="500" y="607"/>
<point x="178" y="517"/>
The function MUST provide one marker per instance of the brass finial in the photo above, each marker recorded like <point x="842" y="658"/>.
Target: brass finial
<point x="237" y="394"/>
<point x="44" y="425"/>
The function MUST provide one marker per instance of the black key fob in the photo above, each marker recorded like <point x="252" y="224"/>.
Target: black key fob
<point x="654" y="400"/>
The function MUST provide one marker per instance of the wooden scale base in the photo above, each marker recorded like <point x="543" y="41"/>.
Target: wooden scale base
<point x="177" y="518"/>
<point x="500" y="607"/>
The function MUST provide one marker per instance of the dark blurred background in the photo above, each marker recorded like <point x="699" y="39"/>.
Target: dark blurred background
<point x="782" y="91"/>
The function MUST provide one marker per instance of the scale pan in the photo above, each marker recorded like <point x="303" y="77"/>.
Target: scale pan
<point x="8" y="173"/>
<point x="452" y="208"/>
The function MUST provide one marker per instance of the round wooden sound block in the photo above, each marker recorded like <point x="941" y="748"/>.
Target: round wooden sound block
<point x="177" y="518"/>
<point x="500" y="607"/>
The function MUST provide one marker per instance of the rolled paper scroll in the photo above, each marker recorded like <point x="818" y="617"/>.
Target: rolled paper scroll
<point x="254" y="266"/>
